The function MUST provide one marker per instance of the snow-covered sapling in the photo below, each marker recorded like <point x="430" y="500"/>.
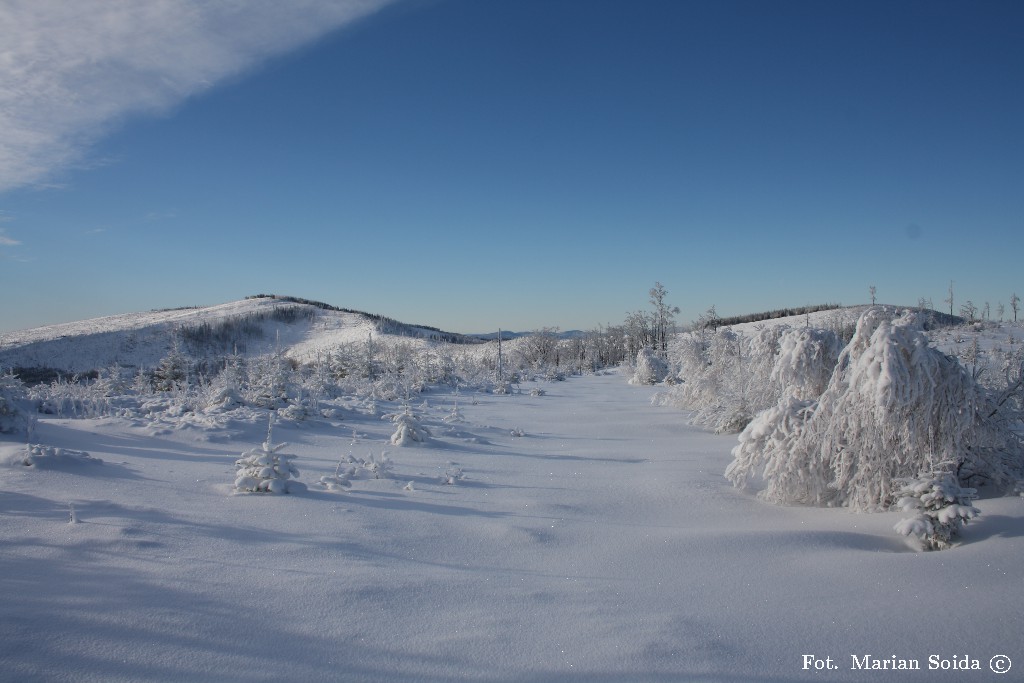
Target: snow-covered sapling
<point x="455" y="416"/>
<point x="379" y="466"/>
<point x="941" y="505"/>
<point x="12" y="400"/>
<point x="452" y="474"/>
<point x="341" y="479"/>
<point x="408" y="430"/>
<point x="266" y="469"/>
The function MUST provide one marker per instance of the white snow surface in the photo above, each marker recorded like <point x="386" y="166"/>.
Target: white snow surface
<point x="603" y="545"/>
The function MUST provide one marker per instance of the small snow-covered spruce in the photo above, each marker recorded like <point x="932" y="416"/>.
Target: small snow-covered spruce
<point x="455" y="416"/>
<point x="12" y="398"/>
<point x="266" y="469"/>
<point x="408" y="430"/>
<point x="517" y="432"/>
<point x="942" y="508"/>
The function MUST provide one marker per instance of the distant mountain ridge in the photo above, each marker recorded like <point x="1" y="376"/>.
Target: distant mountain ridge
<point x="298" y="328"/>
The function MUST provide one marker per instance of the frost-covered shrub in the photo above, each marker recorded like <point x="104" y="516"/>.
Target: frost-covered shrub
<point x="38" y="455"/>
<point x="724" y="377"/>
<point x="893" y="407"/>
<point x="452" y="475"/>
<point x="650" y="368"/>
<point x="219" y="396"/>
<point x="266" y="469"/>
<point x="379" y="466"/>
<point x="942" y="508"/>
<point x="770" y="446"/>
<point x="342" y="477"/>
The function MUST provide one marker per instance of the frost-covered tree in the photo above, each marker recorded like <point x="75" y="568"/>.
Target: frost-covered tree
<point x="650" y="368"/>
<point x="941" y="505"/>
<point x="266" y="469"/>
<point x="172" y="372"/>
<point x="268" y="381"/>
<point x="1014" y="305"/>
<point x="663" y="318"/>
<point x="12" y="403"/>
<point x="540" y="348"/>
<point x="872" y="291"/>
<point x="894" y="407"/>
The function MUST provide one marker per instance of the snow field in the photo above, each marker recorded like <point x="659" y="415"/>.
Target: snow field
<point x="602" y="545"/>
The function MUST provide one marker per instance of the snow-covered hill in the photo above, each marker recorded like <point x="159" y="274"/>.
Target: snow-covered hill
<point x="297" y="328"/>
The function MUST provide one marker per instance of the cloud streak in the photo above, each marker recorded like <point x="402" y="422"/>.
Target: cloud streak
<point x="70" y="71"/>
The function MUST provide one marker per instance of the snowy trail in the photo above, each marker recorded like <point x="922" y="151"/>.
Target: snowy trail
<point x="603" y="545"/>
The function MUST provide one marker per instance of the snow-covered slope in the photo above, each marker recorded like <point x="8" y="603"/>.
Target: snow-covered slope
<point x="250" y="326"/>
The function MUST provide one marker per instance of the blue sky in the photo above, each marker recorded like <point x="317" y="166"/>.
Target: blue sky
<point x="474" y="164"/>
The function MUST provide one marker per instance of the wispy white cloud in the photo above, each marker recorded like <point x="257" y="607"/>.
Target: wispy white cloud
<point x="71" y="70"/>
<point x="154" y="216"/>
<point x="6" y="241"/>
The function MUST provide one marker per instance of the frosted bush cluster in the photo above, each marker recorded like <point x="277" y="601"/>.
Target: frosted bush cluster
<point x="726" y="378"/>
<point x="827" y="424"/>
<point x="650" y="369"/>
<point x="893" y="408"/>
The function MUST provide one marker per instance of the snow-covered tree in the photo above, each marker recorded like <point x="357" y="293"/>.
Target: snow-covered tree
<point x="12" y="402"/>
<point x="269" y="378"/>
<point x="894" y="407"/>
<point x="663" y="318"/>
<point x="941" y="505"/>
<point x="1014" y="305"/>
<point x="266" y="469"/>
<point x="172" y="372"/>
